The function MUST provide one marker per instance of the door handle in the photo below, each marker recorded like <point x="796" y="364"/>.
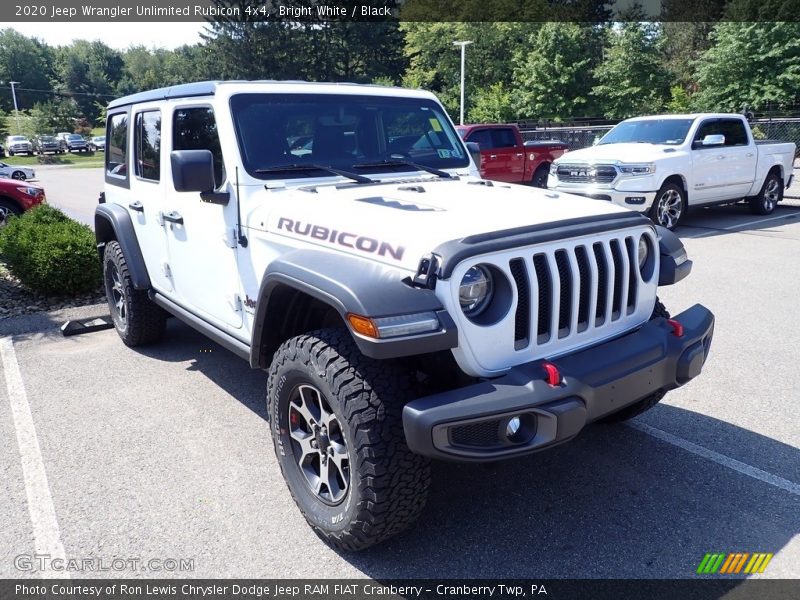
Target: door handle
<point x="749" y="154"/>
<point x="492" y="156"/>
<point x="137" y="206"/>
<point x="721" y="157"/>
<point x="174" y="217"/>
<point x="518" y="154"/>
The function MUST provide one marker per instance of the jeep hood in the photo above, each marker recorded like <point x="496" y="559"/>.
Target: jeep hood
<point x="399" y="223"/>
<point x="627" y="153"/>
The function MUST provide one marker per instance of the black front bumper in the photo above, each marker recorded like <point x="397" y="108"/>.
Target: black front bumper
<point x="470" y="423"/>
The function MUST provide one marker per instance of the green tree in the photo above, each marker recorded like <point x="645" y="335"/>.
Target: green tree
<point x="312" y="49"/>
<point x="753" y="63"/>
<point x="493" y="104"/>
<point x="631" y="79"/>
<point x="553" y="78"/>
<point x="88" y="72"/>
<point x="27" y="61"/>
<point x="435" y="63"/>
<point x="51" y="117"/>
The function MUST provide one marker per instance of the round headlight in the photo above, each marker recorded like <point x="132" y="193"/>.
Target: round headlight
<point x="475" y="290"/>
<point x="644" y="250"/>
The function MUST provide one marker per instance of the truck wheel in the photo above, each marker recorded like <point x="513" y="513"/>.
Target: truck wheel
<point x="771" y="193"/>
<point x="669" y="206"/>
<point x="648" y="402"/>
<point x="540" y="176"/>
<point x="337" y="430"/>
<point x="137" y="319"/>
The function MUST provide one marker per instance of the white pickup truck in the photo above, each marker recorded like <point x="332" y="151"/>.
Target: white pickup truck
<point x="665" y="164"/>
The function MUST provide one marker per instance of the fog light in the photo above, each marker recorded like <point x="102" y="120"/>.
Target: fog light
<point x="513" y="427"/>
<point x="521" y="429"/>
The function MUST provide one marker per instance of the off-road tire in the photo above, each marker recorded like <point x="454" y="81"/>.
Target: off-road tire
<point x="648" y="402"/>
<point x="539" y="178"/>
<point x="767" y="199"/>
<point x="137" y="319"/>
<point x="664" y="211"/>
<point x="388" y="484"/>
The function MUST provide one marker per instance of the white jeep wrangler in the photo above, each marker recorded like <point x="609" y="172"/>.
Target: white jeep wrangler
<point x="338" y="236"/>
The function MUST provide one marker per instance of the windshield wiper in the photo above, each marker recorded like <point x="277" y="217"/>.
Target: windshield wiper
<point x="298" y="167"/>
<point x="405" y="163"/>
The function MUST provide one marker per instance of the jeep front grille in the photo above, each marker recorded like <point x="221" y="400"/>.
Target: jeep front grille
<point x="561" y="297"/>
<point x="586" y="173"/>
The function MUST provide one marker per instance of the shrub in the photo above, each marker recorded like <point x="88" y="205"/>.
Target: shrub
<point x="51" y="253"/>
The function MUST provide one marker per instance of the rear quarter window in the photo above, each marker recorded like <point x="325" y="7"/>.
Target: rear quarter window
<point x="117" y="150"/>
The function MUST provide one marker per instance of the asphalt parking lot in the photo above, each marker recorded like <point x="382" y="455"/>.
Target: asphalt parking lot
<point x="164" y="453"/>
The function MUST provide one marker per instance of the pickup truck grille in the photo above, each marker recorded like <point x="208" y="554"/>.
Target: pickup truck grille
<point x="565" y="296"/>
<point x="586" y="173"/>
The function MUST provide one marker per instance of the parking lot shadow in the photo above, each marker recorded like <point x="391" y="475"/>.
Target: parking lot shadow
<point x="735" y="218"/>
<point x="613" y="503"/>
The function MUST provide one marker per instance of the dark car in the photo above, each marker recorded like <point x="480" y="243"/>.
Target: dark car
<point x="46" y="143"/>
<point x="16" y="197"/>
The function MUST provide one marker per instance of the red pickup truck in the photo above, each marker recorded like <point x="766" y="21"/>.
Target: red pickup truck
<point x="505" y="157"/>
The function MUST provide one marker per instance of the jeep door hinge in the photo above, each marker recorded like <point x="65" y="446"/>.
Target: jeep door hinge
<point x="230" y="238"/>
<point x="235" y="302"/>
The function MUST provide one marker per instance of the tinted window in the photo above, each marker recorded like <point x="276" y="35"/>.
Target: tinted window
<point x="710" y="127"/>
<point x="734" y="132"/>
<point x="196" y="129"/>
<point x="147" y="144"/>
<point x="483" y="138"/>
<point x="117" y="151"/>
<point x="503" y="138"/>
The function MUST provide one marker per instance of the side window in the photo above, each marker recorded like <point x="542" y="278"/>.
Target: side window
<point x="196" y="129"/>
<point x="483" y="138"/>
<point x="147" y="145"/>
<point x="710" y="127"/>
<point x="117" y="151"/>
<point x="503" y="138"/>
<point x="734" y="132"/>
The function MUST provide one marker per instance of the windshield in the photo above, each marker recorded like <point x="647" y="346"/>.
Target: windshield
<point x="650" y="131"/>
<point x="17" y="138"/>
<point x="47" y="138"/>
<point x="74" y="136"/>
<point x="352" y="133"/>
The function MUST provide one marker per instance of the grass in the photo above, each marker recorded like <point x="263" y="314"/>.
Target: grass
<point x="84" y="160"/>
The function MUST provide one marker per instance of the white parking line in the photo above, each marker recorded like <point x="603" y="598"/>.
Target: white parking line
<point x="720" y="459"/>
<point x="757" y="221"/>
<point x="47" y="537"/>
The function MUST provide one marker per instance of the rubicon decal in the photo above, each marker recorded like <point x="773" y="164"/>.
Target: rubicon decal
<point x="342" y="238"/>
<point x="732" y="563"/>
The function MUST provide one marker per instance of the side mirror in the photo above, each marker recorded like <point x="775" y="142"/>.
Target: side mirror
<point x="193" y="171"/>
<point x="475" y="152"/>
<point x="716" y="139"/>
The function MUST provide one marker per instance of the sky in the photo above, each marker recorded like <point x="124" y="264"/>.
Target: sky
<point x="115" y="34"/>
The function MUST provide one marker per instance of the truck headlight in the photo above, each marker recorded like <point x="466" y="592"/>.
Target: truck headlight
<point x="638" y="169"/>
<point x="553" y="168"/>
<point x="475" y="290"/>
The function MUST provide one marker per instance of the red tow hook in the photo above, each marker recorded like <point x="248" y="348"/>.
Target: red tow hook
<point x="553" y="375"/>
<point x="677" y="328"/>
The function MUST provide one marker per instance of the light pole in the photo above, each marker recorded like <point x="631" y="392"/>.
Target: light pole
<point x="14" y="95"/>
<point x="463" y="47"/>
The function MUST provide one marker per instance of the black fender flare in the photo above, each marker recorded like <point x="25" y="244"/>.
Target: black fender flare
<point x="674" y="264"/>
<point x="351" y="285"/>
<point x="113" y="222"/>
